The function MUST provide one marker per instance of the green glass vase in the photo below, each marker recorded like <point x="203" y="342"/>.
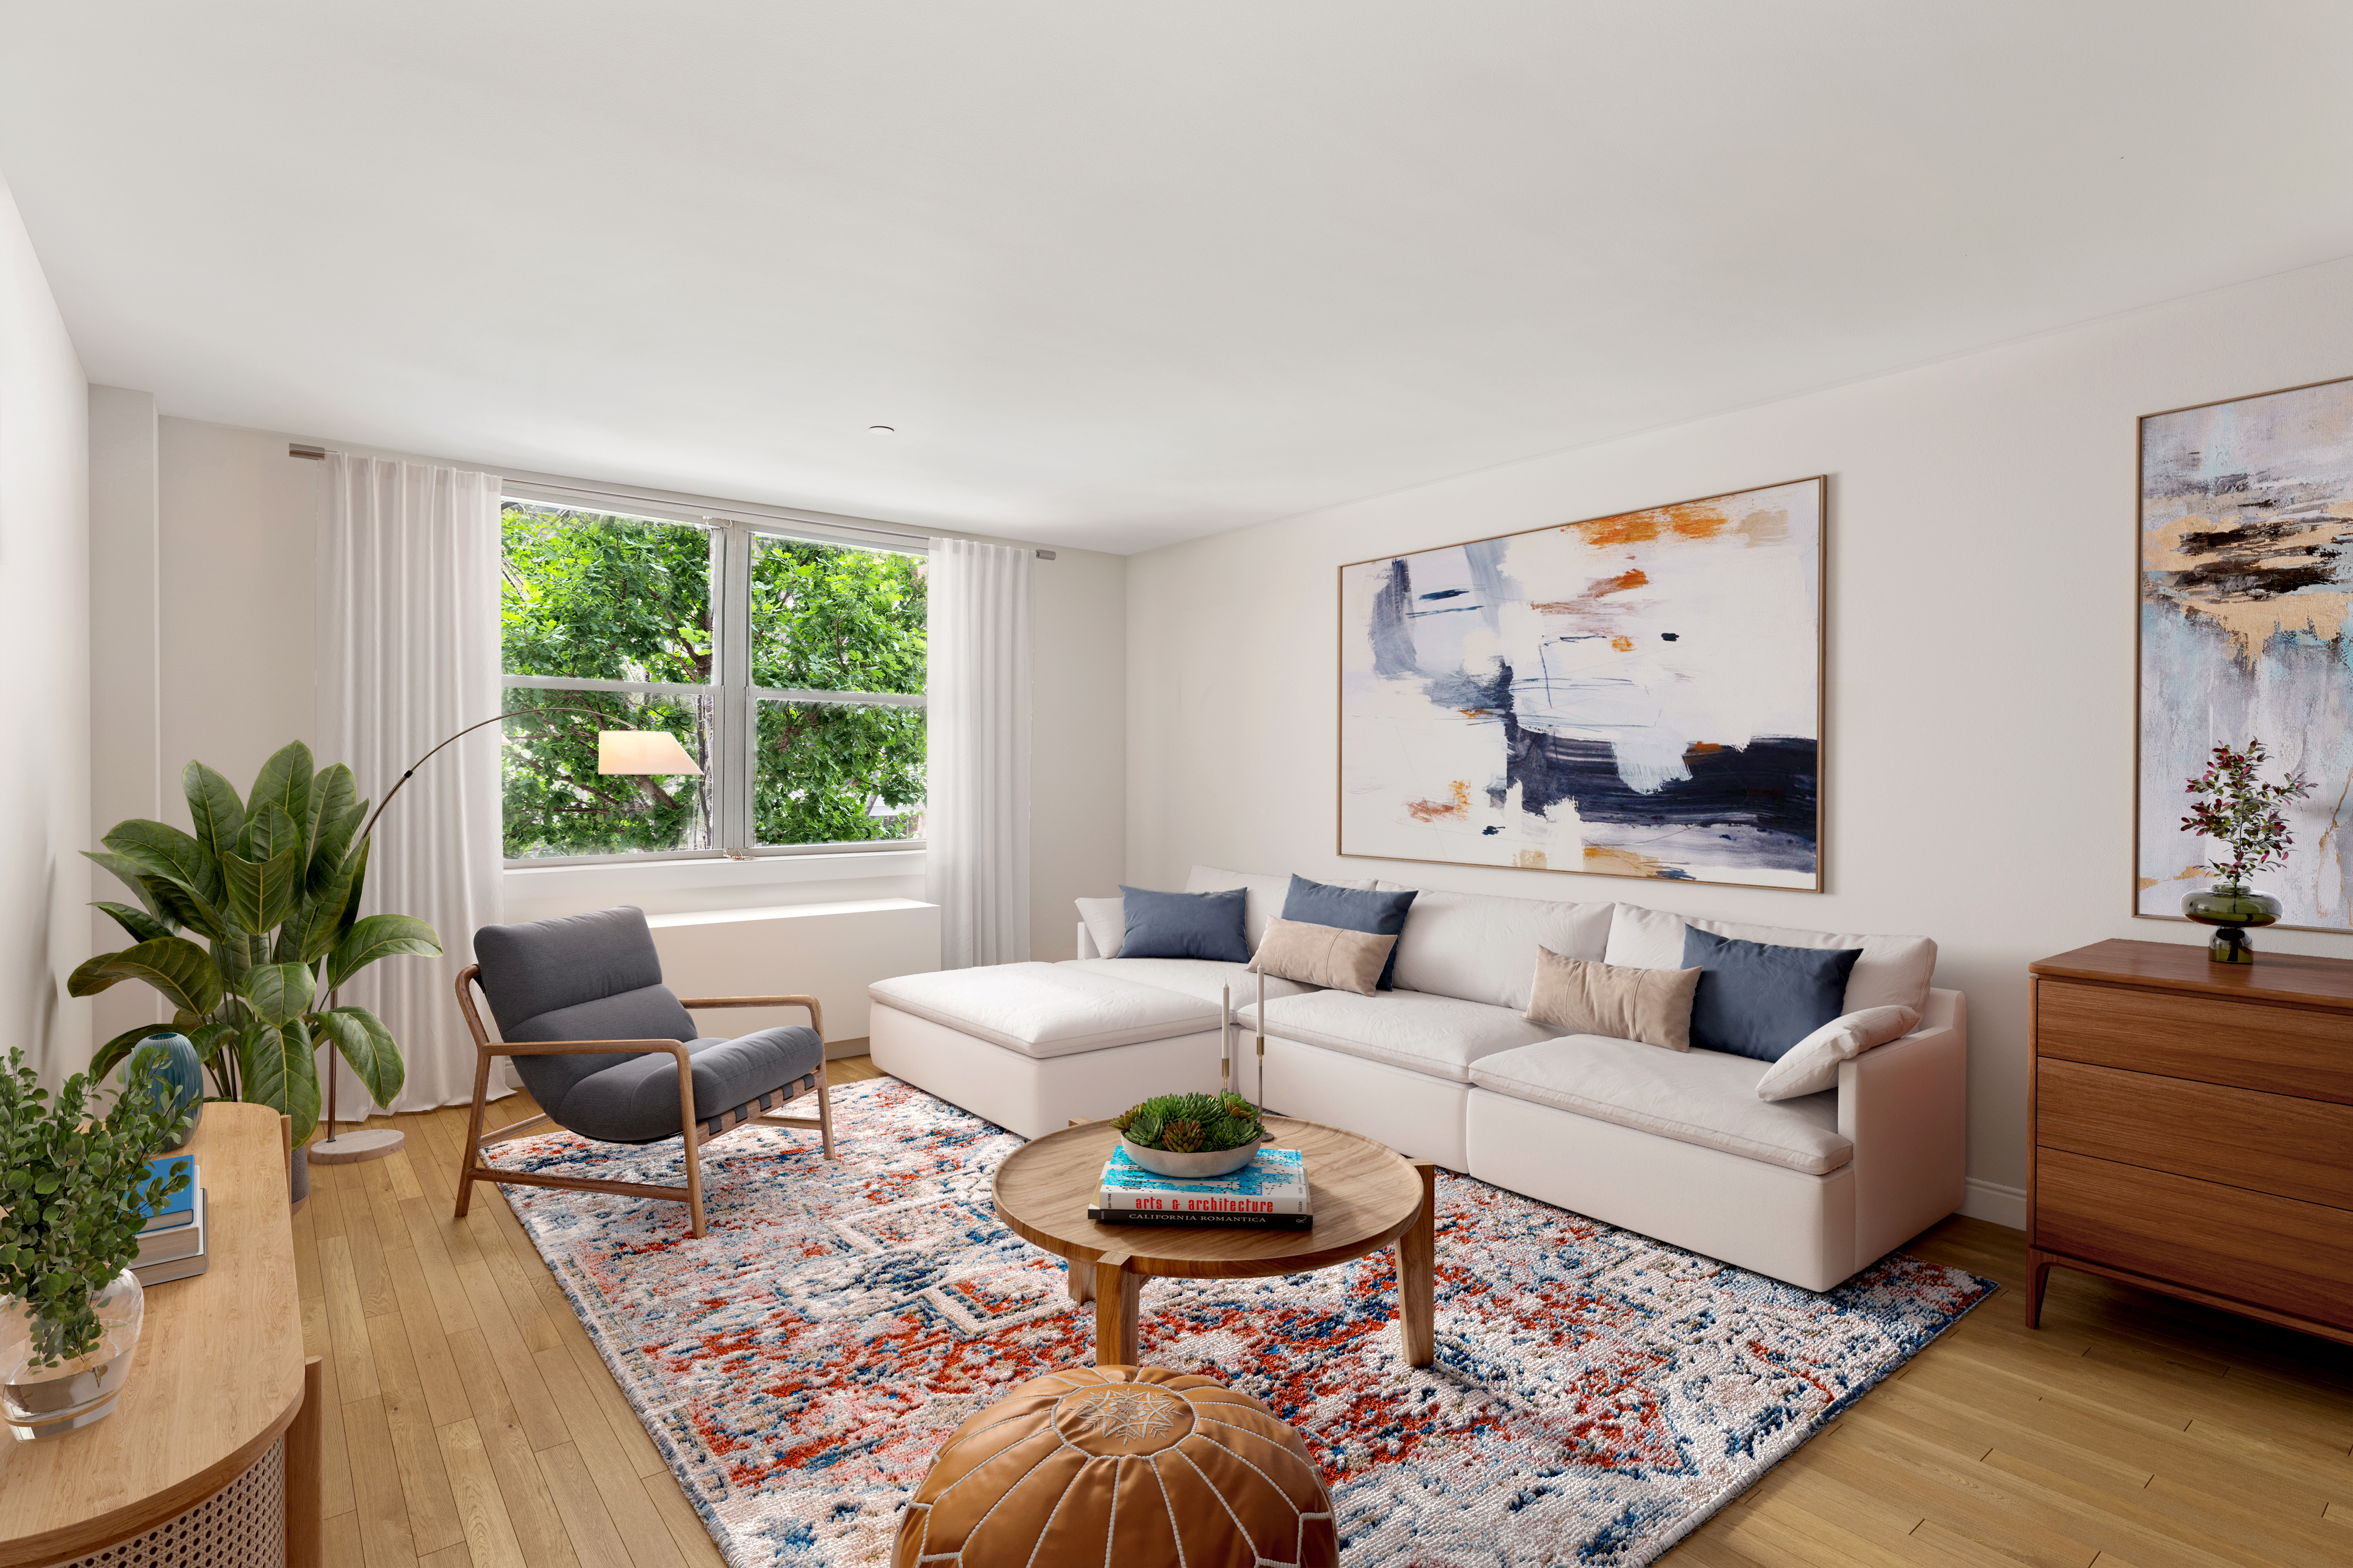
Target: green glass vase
<point x="2230" y="907"/>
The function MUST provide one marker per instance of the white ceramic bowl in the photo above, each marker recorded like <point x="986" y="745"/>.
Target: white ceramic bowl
<point x="1213" y="1162"/>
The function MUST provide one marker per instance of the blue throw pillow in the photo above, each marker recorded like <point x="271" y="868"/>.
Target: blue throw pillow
<point x="1759" y="1000"/>
<point x="1350" y="908"/>
<point x="1185" y="925"/>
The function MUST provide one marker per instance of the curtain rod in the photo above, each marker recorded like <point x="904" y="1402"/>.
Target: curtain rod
<point x="318" y="453"/>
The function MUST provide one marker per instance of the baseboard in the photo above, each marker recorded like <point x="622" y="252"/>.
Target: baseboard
<point x="1993" y="1201"/>
<point x="836" y="1049"/>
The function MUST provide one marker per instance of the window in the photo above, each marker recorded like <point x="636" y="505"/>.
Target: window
<point x="791" y="669"/>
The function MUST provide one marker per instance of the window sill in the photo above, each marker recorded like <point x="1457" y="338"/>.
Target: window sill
<point x="662" y="887"/>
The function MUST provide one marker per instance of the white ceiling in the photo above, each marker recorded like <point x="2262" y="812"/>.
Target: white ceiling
<point x="1124" y="274"/>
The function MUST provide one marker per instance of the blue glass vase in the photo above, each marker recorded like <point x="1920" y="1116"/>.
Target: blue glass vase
<point x="180" y="1085"/>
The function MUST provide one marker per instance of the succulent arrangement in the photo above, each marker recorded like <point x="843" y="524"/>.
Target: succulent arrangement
<point x="1191" y="1124"/>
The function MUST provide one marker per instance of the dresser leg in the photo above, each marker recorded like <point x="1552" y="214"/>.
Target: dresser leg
<point x="2038" y="1273"/>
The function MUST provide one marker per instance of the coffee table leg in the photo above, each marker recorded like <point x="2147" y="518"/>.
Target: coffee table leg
<point x="1417" y="1261"/>
<point x="1119" y="1292"/>
<point x="1082" y="1280"/>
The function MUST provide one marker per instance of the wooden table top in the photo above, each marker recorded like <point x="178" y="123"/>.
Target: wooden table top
<point x="2297" y="978"/>
<point x="217" y="1375"/>
<point x="1366" y="1195"/>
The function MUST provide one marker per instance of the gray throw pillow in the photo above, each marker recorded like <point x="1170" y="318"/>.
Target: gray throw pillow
<point x="1759" y="1000"/>
<point x="1185" y="925"/>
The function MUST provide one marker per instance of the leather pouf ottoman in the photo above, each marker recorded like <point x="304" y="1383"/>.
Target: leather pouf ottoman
<point x="1125" y="1464"/>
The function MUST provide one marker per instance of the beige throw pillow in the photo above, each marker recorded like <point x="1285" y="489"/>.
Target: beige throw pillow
<point x="1811" y="1065"/>
<point x="1652" y="1005"/>
<point x="1323" y="955"/>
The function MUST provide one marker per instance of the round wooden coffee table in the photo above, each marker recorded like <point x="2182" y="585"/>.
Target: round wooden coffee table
<point x="1367" y="1195"/>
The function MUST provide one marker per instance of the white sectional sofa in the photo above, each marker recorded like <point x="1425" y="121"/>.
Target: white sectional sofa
<point x="1673" y="1144"/>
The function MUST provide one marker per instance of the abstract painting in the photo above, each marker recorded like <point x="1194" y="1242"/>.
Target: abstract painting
<point x="1638" y="695"/>
<point x="2246" y="577"/>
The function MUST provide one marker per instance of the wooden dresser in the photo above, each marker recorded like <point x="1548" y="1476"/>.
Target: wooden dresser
<point x="2193" y="1129"/>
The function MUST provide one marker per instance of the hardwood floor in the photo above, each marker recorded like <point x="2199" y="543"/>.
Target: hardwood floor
<point x="471" y="1425"/>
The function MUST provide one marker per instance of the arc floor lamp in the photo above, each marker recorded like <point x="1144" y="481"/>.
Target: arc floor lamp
<point x="653" y="752"/>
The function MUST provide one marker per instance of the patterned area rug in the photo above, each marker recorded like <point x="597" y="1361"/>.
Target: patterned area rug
<point x="1596" y="1396"/>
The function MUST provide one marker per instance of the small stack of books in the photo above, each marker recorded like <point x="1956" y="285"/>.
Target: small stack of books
<point x="1270" y="1192"/>
<point x="172" y="1242"/>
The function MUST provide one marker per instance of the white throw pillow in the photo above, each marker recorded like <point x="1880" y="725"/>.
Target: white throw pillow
<point x="1894" y="971"/>
<point x="1106" y="923"/>
<point x="1811" y="1065"/>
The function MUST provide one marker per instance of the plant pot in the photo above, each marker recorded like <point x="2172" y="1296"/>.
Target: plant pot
<point x="1209" y="1162"/>
<point x="297" y="1182"/>
<point x="39" y="1402"/>
<point x="2231" y="907"/>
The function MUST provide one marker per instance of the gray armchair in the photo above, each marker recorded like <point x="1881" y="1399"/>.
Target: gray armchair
<point x="611" y="1054"/>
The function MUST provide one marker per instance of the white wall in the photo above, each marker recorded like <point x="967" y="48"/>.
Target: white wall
<point x="44" y="773"/>
<point x="1980" y="756"/>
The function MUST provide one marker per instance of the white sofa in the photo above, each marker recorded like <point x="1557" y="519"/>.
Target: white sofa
<point x="1673" y="1144"/>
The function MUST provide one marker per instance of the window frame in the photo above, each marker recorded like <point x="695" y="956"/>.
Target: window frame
<point x="734" y="700"/>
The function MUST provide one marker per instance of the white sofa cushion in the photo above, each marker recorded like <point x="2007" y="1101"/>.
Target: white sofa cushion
<point x="1481" y="948"/>
<point x="1047" y="1009"/>
<point x="1811" y="1065"/>
<point x="1266" y="894"/>
<point x="1441" y="1035"/>
<point x="1196" y="977"/>
<point x="1106" y="922"/>
<point x="1894" y="971"/>
<point x="1707" y="1097"/>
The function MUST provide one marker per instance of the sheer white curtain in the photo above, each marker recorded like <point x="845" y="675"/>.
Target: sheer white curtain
<point x="408" y="654"/>
<point x="977" y="805"/>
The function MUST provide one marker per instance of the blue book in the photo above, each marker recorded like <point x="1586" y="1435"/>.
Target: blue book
<point x="180" y="1209"/>
<point x="1272" y="1190"/>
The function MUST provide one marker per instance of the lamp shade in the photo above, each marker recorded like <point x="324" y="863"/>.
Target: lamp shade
<point x="642" y="752"/>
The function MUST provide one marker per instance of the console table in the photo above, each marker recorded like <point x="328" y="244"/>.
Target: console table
<point x="212" y="1455"/>
<point x="2192" y="1128"/>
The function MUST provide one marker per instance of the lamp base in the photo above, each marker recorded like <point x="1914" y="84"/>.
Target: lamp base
<point x="361" y="1143"/>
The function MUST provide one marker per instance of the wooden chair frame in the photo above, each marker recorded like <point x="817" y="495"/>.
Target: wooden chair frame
<point x="472" y="1170"/>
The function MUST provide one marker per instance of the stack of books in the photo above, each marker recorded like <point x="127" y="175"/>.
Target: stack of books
<point x="1271" y="1192"/>
<point x="172" y="1242"/>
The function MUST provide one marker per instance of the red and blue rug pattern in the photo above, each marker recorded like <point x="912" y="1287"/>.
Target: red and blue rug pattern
<point x="1597" y="1394"/>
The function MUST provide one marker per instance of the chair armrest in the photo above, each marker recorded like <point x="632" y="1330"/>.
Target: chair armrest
<point x="582" y="1047"/>
<point x="817" y="1017"/>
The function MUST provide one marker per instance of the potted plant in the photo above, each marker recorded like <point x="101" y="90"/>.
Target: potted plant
<point x="271" y="883"/>
<point x="74" y="1190"/>
<point x="1191" y="1135"/>
<point x="2235" y="805"/>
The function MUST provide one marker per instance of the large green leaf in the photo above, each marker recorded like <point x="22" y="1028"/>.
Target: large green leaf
<point x="357" y="861"/>
<point x="334" y="844"/>
<point x="368" y="1045"/>
<point x="141" y="925"/>
<point x="275" y="1068"/>
<point x="318" y="922"/>
<point x="278" y="993"/>
<point x="209" y="1039"/>
<point x="379" y="936"/>
<point x="134" y="874"/>
<point x="333" y="793"/>
<point x="109" y="1055"/>
<point x="206" y="918"/>
<point x="284" y="781"/>
<point x="269" y="832"/>
<point x="219" y="816"/>
<point x="262" y="892"/>
<point x="165" y="851"/>
<point x="173" y="965"/>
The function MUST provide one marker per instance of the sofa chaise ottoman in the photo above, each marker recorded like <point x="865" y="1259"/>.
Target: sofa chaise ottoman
<point x="1445" y="1067"/>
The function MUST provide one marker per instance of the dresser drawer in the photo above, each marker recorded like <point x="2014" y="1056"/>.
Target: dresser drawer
<point x="2251" y="1045"/>
<point x="2248" y="1247"/>
<point x="2269" y="1143"/>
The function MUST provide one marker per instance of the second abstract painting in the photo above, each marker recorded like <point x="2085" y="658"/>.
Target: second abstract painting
<point x="1639" y="695"/>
